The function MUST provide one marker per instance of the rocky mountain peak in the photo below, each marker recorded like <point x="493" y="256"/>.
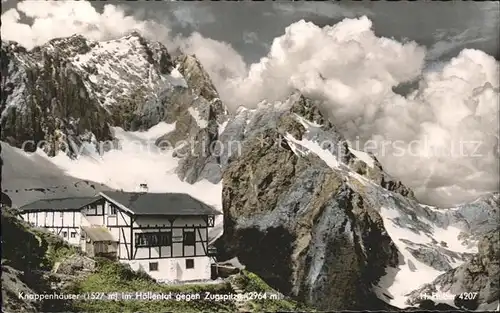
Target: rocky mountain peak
<point x="196" y="76"/>
<point x="311" y="111"/>
<point x="300" y="118"/>
<point x="67" y="46"/>
<point x="12" y="47"/>
<point x="330" y="221"/>
<point x="127" y="82"/>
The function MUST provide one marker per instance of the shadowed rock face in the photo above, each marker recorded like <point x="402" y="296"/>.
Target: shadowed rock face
<point x="71" y="90"/>
<point x="5" y="200"/>
<point x="311" y="226"/>
<point x="44" y="99"/>
<point x="297" y="223"/>
<point x="198" y="114"/>
<point x="74" y="89"/>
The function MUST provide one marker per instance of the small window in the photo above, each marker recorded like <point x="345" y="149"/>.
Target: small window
<point x="73" y="234"/>
<point x="65" y="234"/>
<point x="140" y="240"/>
<point x="189" y="238"/>
<point x="189" y="263"/>
<point x="112" y="210"/>
<point x="153" y="266"/>
<point x="92" y="209"/>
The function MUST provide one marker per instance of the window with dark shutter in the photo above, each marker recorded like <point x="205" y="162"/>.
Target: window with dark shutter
<point x="165" y="239"/>
<point x="140" y="240"/>
<point x="189" y="238"/>
<point x="157" y="239"/>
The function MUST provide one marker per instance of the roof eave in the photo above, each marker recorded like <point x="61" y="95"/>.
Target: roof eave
<point x="120" y="205"/>
<point x="49" y="210"/>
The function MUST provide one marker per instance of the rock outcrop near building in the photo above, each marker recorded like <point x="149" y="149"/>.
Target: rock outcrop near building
<point x="304" y="212"/>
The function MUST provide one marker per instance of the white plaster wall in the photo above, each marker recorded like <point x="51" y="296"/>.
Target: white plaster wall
<point x="94" y="220"/>
<point x="57" y="222"/>
<point x="72" y="240"/>
<point x="174" y="269"/>
<point x="84" y="221"/>
<point x="124" y="239"/>
<point x="65" y="218"/>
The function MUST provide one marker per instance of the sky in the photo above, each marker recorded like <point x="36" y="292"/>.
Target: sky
<point x="444" y="27"/>
<point x="355" y="57"/>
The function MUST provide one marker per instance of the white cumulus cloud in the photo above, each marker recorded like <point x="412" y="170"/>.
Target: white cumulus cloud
<point x="53" y="19"/>
<point x="439" y="139"/>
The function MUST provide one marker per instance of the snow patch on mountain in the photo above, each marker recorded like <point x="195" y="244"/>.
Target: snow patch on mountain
<point x="202" y="123"/>
<point x="363" y="156"/>
<point x="177" y="79"/>
<point x="137" y="160"/>
<point x="144" y="137"/>
<point x="412" y="273"/>
<point x="315" y="148"/>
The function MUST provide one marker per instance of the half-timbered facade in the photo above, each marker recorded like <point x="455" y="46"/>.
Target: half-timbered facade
<point x="163" y="234"/>
<point x="60" y="216"/>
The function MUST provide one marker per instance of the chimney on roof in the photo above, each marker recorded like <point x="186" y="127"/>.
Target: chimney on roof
<point x="143" y="188"/>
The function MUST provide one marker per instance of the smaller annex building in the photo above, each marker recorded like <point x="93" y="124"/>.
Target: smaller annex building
<point x="163" y="234"/>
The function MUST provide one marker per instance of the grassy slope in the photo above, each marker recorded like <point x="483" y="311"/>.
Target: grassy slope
<point x="113" y="277"/>
<point x="34" y="252"/>
<point x="252" y="283"/>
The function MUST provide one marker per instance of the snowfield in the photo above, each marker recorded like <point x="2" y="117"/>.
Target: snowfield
<point x="411" y="273"/>
<point x="137" y="160"/>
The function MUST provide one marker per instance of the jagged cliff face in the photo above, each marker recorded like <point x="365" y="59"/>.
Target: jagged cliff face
<point x="198" y="114"/>
<point x="323" y="222"/>
<point x="74" y="89"/>
<point x="43" y="98"/>
<point x="294" y="220"/>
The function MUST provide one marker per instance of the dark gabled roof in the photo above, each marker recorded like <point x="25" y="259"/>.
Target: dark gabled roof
<point x="59" y="204"/>
<point x="98" y="233"/>
<point x="141" y="203"/>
